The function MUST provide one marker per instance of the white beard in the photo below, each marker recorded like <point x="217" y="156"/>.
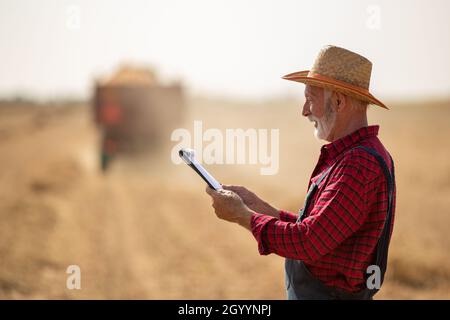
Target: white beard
<point x="324" y="125"/>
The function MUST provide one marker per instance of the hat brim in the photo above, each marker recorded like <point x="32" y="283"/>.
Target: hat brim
<point x="325" y="82"/>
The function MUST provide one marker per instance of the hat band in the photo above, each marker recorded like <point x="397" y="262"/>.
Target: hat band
<point x="346" y="85"/>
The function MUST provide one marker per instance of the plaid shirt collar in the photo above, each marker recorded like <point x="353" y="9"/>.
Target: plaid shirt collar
<point x="330" y="151"/>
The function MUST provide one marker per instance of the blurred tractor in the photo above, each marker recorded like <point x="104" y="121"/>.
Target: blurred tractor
<point x="134" y="113"/>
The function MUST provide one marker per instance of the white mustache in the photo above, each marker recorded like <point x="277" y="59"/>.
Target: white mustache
<point x="313" y="119"/>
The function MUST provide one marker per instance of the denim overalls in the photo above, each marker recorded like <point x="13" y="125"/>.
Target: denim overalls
<point x="302" y="285"/>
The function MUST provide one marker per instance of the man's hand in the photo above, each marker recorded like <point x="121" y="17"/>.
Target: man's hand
<point x="230" y="207"/>
<point x="252" y="201"/>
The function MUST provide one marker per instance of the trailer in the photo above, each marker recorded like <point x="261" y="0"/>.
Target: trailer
<point x="134" y="113"/>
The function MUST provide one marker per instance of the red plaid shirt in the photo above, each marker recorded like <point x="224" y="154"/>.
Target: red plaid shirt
<point x="344" y="220"/>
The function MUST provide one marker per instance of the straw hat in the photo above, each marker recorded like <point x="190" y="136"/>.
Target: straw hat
<point x="341" y="70"/>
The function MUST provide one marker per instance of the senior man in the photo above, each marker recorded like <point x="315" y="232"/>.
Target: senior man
<point x="340" y="237"/>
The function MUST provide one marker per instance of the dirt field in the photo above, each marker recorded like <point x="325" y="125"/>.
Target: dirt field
<point x="146" y="230"/>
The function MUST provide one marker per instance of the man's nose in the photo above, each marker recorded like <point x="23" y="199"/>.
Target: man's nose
<point x="305" y="111"/>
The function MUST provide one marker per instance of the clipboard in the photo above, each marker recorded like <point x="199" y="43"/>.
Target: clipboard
<point x="188" y="157"/>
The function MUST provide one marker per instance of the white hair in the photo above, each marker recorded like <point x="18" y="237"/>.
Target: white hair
<point x="358" y="104"/>
<point x="355" y="103"/>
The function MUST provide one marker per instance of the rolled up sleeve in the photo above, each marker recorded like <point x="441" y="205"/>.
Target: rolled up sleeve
<point x="287" y="216"/>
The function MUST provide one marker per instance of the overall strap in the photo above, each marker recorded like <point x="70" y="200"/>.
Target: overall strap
<point x="383" y="241"/>
<point x="311" y="191"/>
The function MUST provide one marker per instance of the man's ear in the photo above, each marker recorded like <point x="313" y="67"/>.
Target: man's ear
<point x="339" y="101"/>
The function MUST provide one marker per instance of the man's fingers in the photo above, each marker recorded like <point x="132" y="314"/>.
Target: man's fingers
<point x="210" y="191"/>
<point x="233" y="188"/>
<point x="221" y="194"/>
<point x="214" y="193"/>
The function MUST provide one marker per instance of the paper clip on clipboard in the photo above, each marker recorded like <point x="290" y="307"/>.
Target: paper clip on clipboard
<point x="188" y="156"/>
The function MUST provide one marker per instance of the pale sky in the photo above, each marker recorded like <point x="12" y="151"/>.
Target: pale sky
<point x="239" y="48"/>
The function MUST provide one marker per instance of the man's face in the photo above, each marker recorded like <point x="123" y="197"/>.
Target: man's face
<point x="317" y="109"/>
